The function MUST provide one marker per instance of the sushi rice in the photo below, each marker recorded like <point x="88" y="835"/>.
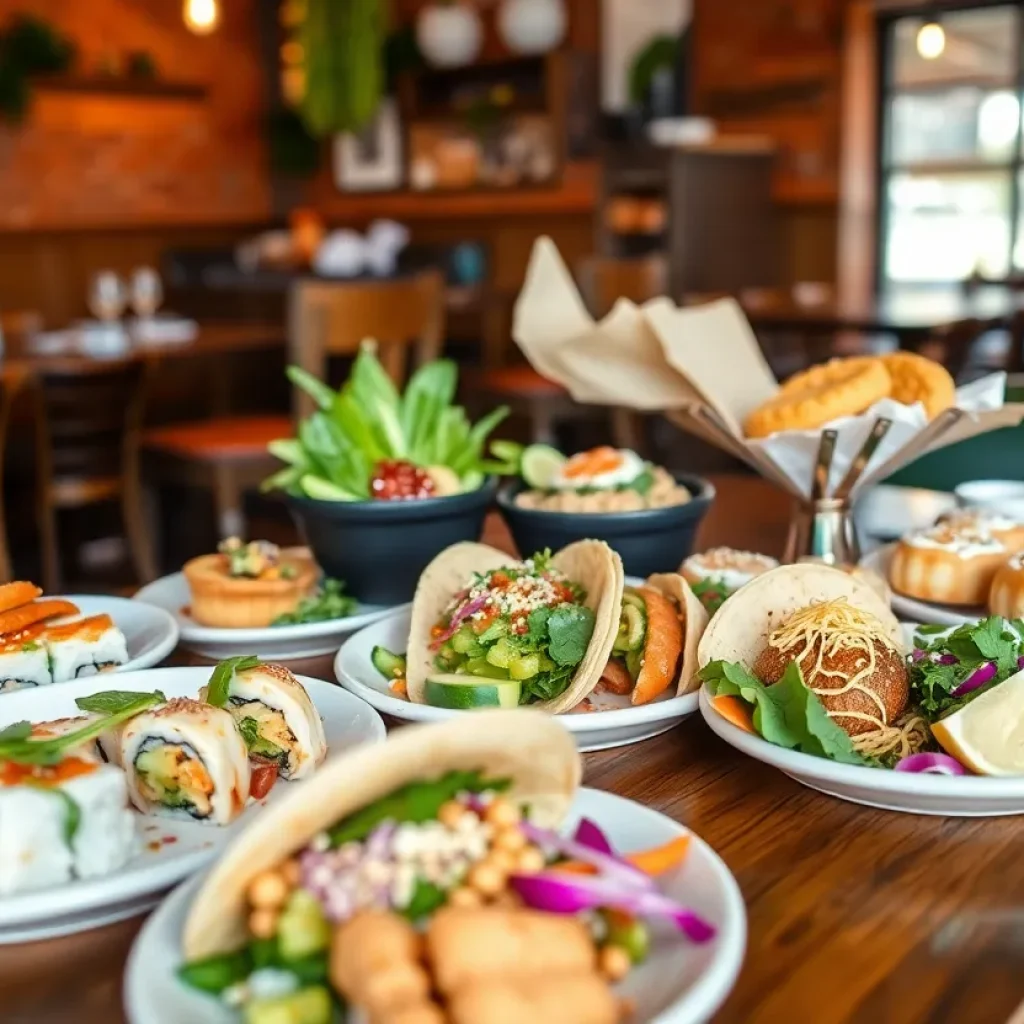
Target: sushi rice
<point x="84" y="648"/>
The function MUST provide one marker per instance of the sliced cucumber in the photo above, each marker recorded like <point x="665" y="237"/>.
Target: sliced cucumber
<point x="634" y="662"/>
<point x="390" y="666"/>
<point x="471" y="481"/>
<point x="501" y="654"/>
<point x="632" y="629"/>
<point x="302" y="928"/>
<point x="465" y="642"/>
<point x="464" y="693"/>
<point x="319" y="489"/>
<point x="307" y="1006"/>
<point x="540" y="465"/>
<point x="525" y="667"/>
<point x="482" y="668"/>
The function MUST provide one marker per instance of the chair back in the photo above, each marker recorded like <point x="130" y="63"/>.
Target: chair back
<point x="604" y="280"/>
<point x="328" y="318"/>
<point x="90" y="422"/>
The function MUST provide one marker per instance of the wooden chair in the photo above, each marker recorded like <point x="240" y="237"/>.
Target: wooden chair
<point x="602" y="281"/>
<point x="88" y="429"/>
<point x="325" y="318"/>
<point x="20" y="321"/>
<point x="12" y="379"/>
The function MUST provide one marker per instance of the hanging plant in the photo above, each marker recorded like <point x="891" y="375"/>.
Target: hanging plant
<point x="342" y="46"/>
<point x="28" y="46"/>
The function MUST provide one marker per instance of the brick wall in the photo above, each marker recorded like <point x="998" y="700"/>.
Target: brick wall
<point x="93" y="159"/>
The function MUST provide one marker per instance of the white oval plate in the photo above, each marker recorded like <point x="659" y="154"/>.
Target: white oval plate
<point x="613" y="723"/>
<point x="957" y="796"/>
<point x="77" y="906"/>
<point x="679" y="984"/>
<point x="150" y="633"/>
<point x="307" y="640"/>
<point x="911" y="608"/>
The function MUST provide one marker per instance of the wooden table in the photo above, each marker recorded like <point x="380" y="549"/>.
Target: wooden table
<point x="854" y="914"/>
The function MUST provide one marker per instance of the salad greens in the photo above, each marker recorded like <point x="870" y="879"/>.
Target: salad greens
<point x="711" y="592"/>
<point x="944" y="660"/>
<point x="337" y="448"/>
<point x="787" y="713"/>
<point x="330" y="602"/>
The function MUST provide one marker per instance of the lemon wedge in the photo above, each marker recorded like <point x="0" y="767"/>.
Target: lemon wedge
<point x="987" y="735"/>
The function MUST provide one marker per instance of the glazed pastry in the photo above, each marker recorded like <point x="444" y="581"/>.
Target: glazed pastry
<point x="1007" y="596"/>
<point x="916" y="378"/>
<point x="1010" y="531"/>
<point x="947" y="565"/>
<point x="247" y="585"/>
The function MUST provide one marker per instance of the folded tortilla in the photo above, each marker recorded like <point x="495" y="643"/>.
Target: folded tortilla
<point x="695" y="621"/>
<point x="739" y="630"/>
<point x="529" y="748"/>
<point x="590" y="563"/>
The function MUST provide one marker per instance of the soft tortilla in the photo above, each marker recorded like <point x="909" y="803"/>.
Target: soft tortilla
<point x="695" y="621"/>
<point x="590" y="563"/>
<point x="537" y="754"/>
<point x="739" y="630"/>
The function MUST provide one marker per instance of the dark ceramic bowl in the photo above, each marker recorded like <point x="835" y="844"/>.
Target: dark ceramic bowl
<point x="379" y="548"/>
<point x="651" y="540"/>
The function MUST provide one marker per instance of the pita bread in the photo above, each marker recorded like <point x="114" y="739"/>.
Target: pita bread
<point x="590" y="563"/>
<point x="695" y="621"/>
<point x="531" y="749"/>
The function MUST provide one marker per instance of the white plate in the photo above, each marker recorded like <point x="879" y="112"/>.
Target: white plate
<point x="919" y="611"/>
<point x="680" y="983"/>
<point x="150" y="633"/>
<point x="79" y="905"/>
<point x="956" y="796"/>
<point x="615" y="724"/>
<point x="307" y="640"/>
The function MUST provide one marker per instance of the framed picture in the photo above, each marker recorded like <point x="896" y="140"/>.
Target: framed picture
<point x="371" y="160"/>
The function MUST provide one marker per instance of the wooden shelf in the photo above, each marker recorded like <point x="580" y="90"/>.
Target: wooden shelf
<point x="133" y="88"/>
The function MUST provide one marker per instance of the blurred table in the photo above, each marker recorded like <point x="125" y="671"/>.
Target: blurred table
<point x="855" y="914"/>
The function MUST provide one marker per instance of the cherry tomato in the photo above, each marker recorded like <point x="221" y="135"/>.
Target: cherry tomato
<point x="264" y="776"/>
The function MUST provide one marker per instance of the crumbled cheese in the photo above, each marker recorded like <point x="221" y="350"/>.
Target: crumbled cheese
<point x="271" y="983"/>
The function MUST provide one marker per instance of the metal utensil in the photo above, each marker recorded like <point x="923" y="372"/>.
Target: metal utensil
<point x="864" y="456"/>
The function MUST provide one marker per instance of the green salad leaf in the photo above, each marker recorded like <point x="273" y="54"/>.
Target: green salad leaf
<point x="112" y="702"/>
<point x="219" y="686"/>
<point x="367" y="421"/>
<point x="786" y="713"/>
<point x="415" y="803"/>
<point x="330" y="602"/>
<point x="711" y="592"/>
<point x="570" y="628"/>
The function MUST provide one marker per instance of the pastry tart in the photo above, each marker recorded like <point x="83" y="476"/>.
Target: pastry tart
<point x="1010" y="531"/>
<point x="947" y="565"/>
<point x="1007" y="595"/>
<point x="732" y="567"/>
<point x="247" y="585"/>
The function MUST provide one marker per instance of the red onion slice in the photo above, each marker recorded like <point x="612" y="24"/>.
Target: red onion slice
<point x="931" y="764"/>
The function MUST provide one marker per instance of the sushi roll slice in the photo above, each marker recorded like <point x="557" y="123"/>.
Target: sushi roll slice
<point x="186" y="760"/>
<point x="85" y="647"/>
<point x="90" y="750"/>
<point x="24" y="660"/>
<point x="61" y="822"/>
<point x="277" y="720"/>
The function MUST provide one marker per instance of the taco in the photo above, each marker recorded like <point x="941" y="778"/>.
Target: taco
<point x="423" y="881"/>
<point x="655" y="645"/>
<point x="488" y="629"/>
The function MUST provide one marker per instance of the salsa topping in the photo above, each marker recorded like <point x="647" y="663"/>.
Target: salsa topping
<point x="259" y="559"/>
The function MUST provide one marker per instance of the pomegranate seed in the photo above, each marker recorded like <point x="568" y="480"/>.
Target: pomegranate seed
<point x="399" y="480"/>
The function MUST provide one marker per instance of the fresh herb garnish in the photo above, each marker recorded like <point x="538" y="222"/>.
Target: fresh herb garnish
<point x="642" y="483"/>
<point x="415" y="803"/>
<point x="113" y="702"/>
<point x="330" y="602"/>
<point x="24" y="750"/>
<point x="16" y="731"/>
<point x="711" y="592"/>
<point x="219" y="686"/>
<point x="786" y="713"/>
<point x="30" y="645"/>
<point x="250" y="731"/>
<point x="426" y="898"/>
<point x="570" y="628"/>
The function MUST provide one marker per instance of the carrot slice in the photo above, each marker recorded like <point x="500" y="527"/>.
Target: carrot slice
<point x="736" y="711"/>
<point x="655" y="861"/>
<point x="400" y="689"/>
<point x="14" y="595"/>
<point x="662" y="647"/>
<point x="615" y="678"/>
<point x="37" y="611"/>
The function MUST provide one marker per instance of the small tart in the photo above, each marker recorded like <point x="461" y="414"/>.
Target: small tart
<point x="1010" y="531"/>
<point x="947" y="565"/>
<point x="239" y="602"/>
<point x="842" y="387"/>
<point x="734" y="568"/>
<point x="918" y="379"/>
<point x="1007" y="595"/>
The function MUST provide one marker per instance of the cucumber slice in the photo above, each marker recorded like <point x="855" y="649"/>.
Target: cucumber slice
<point x="390" y="666"/>
<point x="525" y="667"/>
<point x="540" y="464"/>
<point x="318" y="488"/>
<point x="302" y="928"/>
<point x="471" y="481"/>
<point x="465" y="642"/>
<point x="307" y="1006"/>
<point x="502" y="654"/>
<point x="634" y="662"/>
<point x="482" y="668"/>
<point x="464" y="693"/>
<point x="632" y="629"/>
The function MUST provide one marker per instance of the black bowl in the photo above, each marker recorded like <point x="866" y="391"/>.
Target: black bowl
<point x="379" y="548"/>
<point x="650" y="540"/>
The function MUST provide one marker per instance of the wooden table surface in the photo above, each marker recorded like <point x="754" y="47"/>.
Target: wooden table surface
<point x="854" y="914"/>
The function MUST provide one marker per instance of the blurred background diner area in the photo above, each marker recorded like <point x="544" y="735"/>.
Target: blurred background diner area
<point x="195" y="194"/>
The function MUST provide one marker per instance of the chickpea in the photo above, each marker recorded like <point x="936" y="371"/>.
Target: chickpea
<point x="501" y="814"/>
<point x="268" y="890"/>
<point x="502" y="860"/>
<point x="511" y="839"/>
<point x="614" y="963"/>
<point x="451" y="813"/>
<point x="530" y="861"/>
<point x="263" y="923"/>
<point x="464" y="896"/>
<point x="486" y="879"/>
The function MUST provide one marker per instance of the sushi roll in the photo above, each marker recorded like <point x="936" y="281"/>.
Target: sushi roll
<point x="61" y="822"/>
<point x="186" y="760"/>
<point x="277" y="720"/>
<point x="90" y="750"/>
<point x="24" y="660"/>
<point x="84" y="647"/>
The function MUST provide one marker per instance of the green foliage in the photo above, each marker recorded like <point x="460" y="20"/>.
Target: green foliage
<point x="28" y="46"/>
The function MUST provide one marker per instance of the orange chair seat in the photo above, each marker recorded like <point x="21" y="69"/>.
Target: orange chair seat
<point x="519" y="382"/>
<point x="234" y="438"/>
